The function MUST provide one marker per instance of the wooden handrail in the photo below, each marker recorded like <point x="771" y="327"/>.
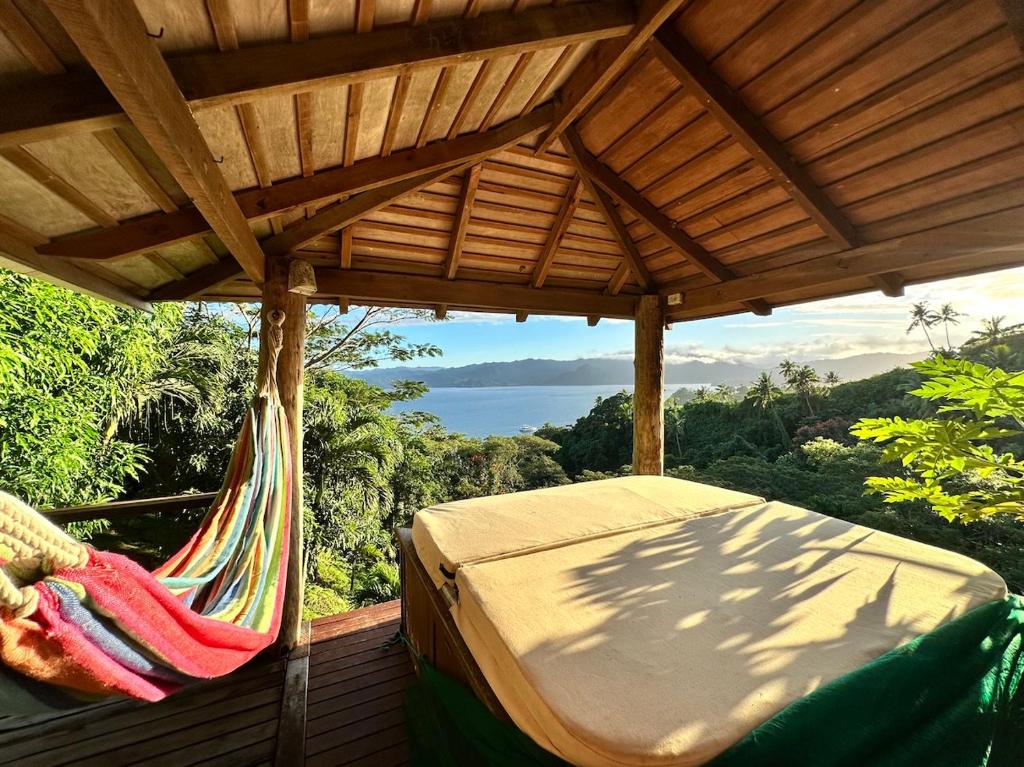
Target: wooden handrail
<point x="130" y="508"/>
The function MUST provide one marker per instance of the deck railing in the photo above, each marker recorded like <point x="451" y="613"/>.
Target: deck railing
<point x="132" y="508"/>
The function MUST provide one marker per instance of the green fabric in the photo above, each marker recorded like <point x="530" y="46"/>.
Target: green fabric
<point x="951" y="698"/>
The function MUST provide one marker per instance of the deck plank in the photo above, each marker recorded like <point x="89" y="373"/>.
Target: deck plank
<point x="357" y="681"/>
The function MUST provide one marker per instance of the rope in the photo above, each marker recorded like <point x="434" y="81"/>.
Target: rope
<point x="30" y="536"/>
<point x="266" y="377"/>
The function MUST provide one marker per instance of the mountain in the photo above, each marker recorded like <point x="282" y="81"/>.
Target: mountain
<point x="609" y="371"/>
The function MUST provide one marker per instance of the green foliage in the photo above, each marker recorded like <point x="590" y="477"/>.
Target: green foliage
<point x="955" y="463"/>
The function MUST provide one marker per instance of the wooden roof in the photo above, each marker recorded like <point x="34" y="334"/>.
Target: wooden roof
<point x="519" y="156"/>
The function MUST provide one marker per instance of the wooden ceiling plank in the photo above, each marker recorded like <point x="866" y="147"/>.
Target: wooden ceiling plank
<point x="697" y="77"/>
<point x="420" y="14"/>
<point x="18" y="244"/>
<point x="114" y="39"/>
<point x="380" y="286"/>
<point x="556" y="71"/>
<point x="19" y="31"/>
<point x="605" y="63"/>
<point x="78" y="101"/>
<point x="482" y="76"/>
<point x="470" y="182"/>
<point x="150" y="232"/>
<point x="441" y="88"/>
<point x="562" y="221"/>
<point x="602" y="175"/>
<point x="126" y="158"/>
<point x="995" y="233"/>
<point x="28" y="164"/>
<point x="506" y="90"/>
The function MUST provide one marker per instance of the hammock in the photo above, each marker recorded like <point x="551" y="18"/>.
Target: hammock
<point x="94" y="624"/>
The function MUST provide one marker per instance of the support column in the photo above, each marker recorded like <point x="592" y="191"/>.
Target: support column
<point x="290" y="376"/>
<point x="649" y="387"/>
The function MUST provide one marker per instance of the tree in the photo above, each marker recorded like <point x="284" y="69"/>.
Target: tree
<point x="764" y="394"/>
<point x="802" y="379"/>
<point x="947" y="315"/>
<point x="955" y="463"/>
<point x="923" y="317"/>
<point x="831" y="379"/>
<point x="992" y="330"/>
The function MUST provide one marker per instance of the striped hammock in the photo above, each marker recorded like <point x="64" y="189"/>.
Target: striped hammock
<point x="91" y="624"/>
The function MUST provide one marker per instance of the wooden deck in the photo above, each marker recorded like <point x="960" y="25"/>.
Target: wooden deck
<point x="354" y="712"/>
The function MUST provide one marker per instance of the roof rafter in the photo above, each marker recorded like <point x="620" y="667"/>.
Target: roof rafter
<point x="18" y="244"/>
<point x="890" y="283"/>
<point x="632" y="260"/>
<point x="80" y="102"/>
<point x="161" y="229"/>
<point x="565" y="213"/>
<point x="382" y="286"/>
<point x="113" y="39"/>
<point x="649" y="214"/>
<point x="991" y="234"/>
<point x="603" y="64"/>
<point x="698" y="79"/>
<point x="470" y="182"/>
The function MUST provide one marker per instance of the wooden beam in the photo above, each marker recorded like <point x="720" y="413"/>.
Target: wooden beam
<point x="631" y="256"/>
<point x="700" y="81"/>
<point x="79" y="101"/>
<point x="290" y="746"/>
<point x="547" y="257"/>
<point x="1014" y="12"/>
<point x="440" y="311"/>
<point x="654" y="218"/>
<point x="995" y="233"/>
<point x="342" y="214"/>
<point x="592" y="321"/>
<point x="890" y="283"/>
<point x="16" y="28"/>
<point x="522" y="316"/>
<point x="649" y="386"/>
<point x="290" y="372"/>
<point x="114" y="40"/>
<point x="603" y="64"/>
<point x="385" y="287"/>
<point x="19" y="246"/>
<point x="470" y="182"/>
<point x="199" y="281"/>
<point x="28" y="164"/>
<point x="158" y="230"/>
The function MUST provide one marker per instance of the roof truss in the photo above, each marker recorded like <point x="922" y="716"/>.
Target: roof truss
<point x="83" y="102"/>
<point x="157" y="230"/>
<point x="113" y="38"/>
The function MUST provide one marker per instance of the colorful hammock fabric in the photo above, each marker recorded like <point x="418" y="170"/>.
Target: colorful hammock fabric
<point x="96" y="624"/>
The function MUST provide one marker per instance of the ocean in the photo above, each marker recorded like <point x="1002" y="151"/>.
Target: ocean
<point x="507" y="410"/>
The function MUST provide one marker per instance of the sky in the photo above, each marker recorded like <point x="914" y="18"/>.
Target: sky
<point x="820" y="330"/>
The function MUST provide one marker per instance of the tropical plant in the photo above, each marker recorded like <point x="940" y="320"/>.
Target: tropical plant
<point x="955" y="463"/>
<point x="831" y="379"/>
<point x="992" y="330"/>
<point x="923" y="317"/>
<point x="947" y="315"/>
<point x="765" y="394"/>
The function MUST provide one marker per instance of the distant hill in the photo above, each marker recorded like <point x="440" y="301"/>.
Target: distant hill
<point x="604" y="371"/>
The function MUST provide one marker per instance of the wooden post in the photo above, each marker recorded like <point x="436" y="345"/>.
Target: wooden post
<point x="290" y="381"/>
<point x="649" y="380"/>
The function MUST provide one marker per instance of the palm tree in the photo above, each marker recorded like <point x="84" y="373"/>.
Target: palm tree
<point x="923" y="317"/>
<point x="992" y="330"/>
<point x="764" y="394"/>
<point x="947" y="315"/>
<point x="787" y="367"/>
<point x="831" y="379"/>
<point x="805" y="383"/>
